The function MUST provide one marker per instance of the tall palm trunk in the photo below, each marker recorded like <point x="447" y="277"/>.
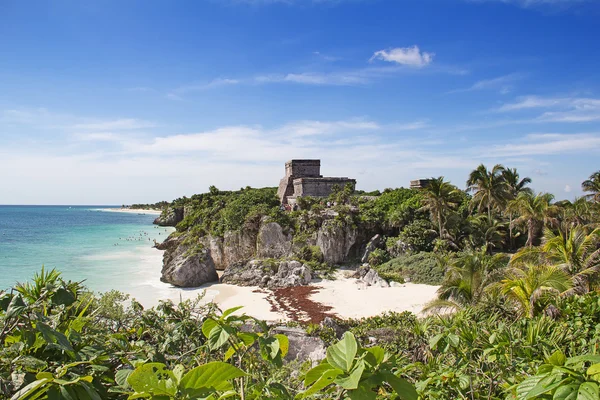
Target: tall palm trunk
<point x="510" y="231"/>
<point x="531" y="225"/>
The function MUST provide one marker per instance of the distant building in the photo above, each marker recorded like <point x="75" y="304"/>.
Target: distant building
<point x="420" y="183"/>
<point x="303" y="178"/>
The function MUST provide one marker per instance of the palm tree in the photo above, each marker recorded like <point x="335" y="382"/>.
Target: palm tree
<point x="516" y="186"/>
<point x="490" y="187"/>
<point x="440" y="197"/>
<point x="576" y="253"/>
<point x="535" y="211"/>
<point x="467" y="277"/>
<point x="534" y="286"/>
<point x="577" y="213"/>
<point x="592" y="185"/>
<point x="486" y="232"/>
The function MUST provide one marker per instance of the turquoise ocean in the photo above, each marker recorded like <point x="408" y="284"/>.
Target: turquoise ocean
<point x="107" y="249"/>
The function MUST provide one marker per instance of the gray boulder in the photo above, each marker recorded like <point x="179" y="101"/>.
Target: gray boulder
<point x="376" y="242"/>
<point x="302" y="347"/>
<point x="188" y="266"/>
<point x="268" y="273"/>
<point x="272" y="242"/>
<point x="335" y="240"/>
<point x="372" y="278"/>
<point x="170" y="217"/>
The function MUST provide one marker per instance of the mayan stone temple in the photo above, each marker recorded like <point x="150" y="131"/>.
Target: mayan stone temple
<point x="303" y="178"/>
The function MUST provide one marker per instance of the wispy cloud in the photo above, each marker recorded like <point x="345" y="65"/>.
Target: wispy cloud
<point x="504" y="84"/>
<point x="537" y="3"/>
<point x="559" y="109"/>
<point x="178" y="93"/>
<point x="411" y="56"/>
<point x="547" y="144"/>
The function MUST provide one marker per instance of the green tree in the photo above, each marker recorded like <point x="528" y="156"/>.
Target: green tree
<point x="535" y="211"/>
<point x="467" y="277"/>
<point x="534" y="286"/>
<point x="576" y="253"/>
<point x="592" y="185"/>
<point x="489" y="187"/>
<point x="516" y="186"/>
<point x="439" y="198"/>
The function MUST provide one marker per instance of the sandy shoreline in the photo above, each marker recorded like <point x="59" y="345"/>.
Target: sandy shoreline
<point x="342" y="294"/>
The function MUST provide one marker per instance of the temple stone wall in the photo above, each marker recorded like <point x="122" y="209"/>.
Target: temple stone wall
<point x="302" y="168"/>
<point x="303" y="178"/>
<point x="319" y="187"/>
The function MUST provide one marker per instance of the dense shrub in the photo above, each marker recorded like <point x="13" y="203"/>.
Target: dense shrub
<point x="419" y="268"/>
<point x="378" y="257"/>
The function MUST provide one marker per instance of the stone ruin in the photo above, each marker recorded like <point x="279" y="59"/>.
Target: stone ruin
<point x="303" y="178"/>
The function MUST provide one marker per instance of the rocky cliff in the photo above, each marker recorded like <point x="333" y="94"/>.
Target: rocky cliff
<point x="191" y="262"/>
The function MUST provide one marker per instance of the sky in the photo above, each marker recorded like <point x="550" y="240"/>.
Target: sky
<point x="120" y="102"/>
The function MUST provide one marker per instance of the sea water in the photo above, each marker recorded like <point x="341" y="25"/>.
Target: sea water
<point x="106" y="249"/>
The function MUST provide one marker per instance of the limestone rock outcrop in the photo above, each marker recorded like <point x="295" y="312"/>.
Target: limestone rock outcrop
<point x="367" y="276"/>
<point x="375" y="243"/>
<point x="301" y="346"/>
<point x="272" y="242"/>
<point x="187" y="265"/>
<point x="268" y="273"/>
<point x="170" y="217"/>
<point x="336" y="240"/>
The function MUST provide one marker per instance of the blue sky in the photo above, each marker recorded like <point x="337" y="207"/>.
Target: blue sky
<point x="112" y="102"/>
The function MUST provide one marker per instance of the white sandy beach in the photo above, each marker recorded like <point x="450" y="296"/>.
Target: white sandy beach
<point x="342" y="294"/>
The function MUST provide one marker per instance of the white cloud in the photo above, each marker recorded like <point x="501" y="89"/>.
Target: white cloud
<point x="560" y="109"/>
<point x="504" y="84"/>
<point x="537" y="3"/>
<point x="177" y="93"/>
<point x="567" y="188"/>
<point x="547" y="144"/>
<point x="411" y="56"/>
<point x="315" y="78"/>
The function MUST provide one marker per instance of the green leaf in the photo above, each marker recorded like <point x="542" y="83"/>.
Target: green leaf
<point x="351" y="381"/>
<point x="219" y="335"/>
<point x="269" y="347"/>
<point x="63" y="296"/>
<point x="154" y="379"/>
<point x="121" y="377"/>
<point x="363" y="392"/>
<point x="587" y="357"/>
<point x="453" y="340"/>
<point x="178" y="371"/>
<point x="230" y="311"/>
<point x="324" y="380"/>
<point x="208" y="326"/>
<point x="588" y="391"/>
<point x="527" y="385"/>
<point x="30" y="389"/>
<point x="378" y="353"/>
<point x="594" y="369"/>
<point x="341" y="355"/>
<point x="315" y="373"/>
<point x="567" y="392"/>
<point x="53" y="336"/>
<point x="214" y="375"/>
<point x="15" y="307"/>
<point x="557" y="358"/>
<point x="284" y="344"/>
<point x="401" y="386"/>
<point x="433" y="342"/>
